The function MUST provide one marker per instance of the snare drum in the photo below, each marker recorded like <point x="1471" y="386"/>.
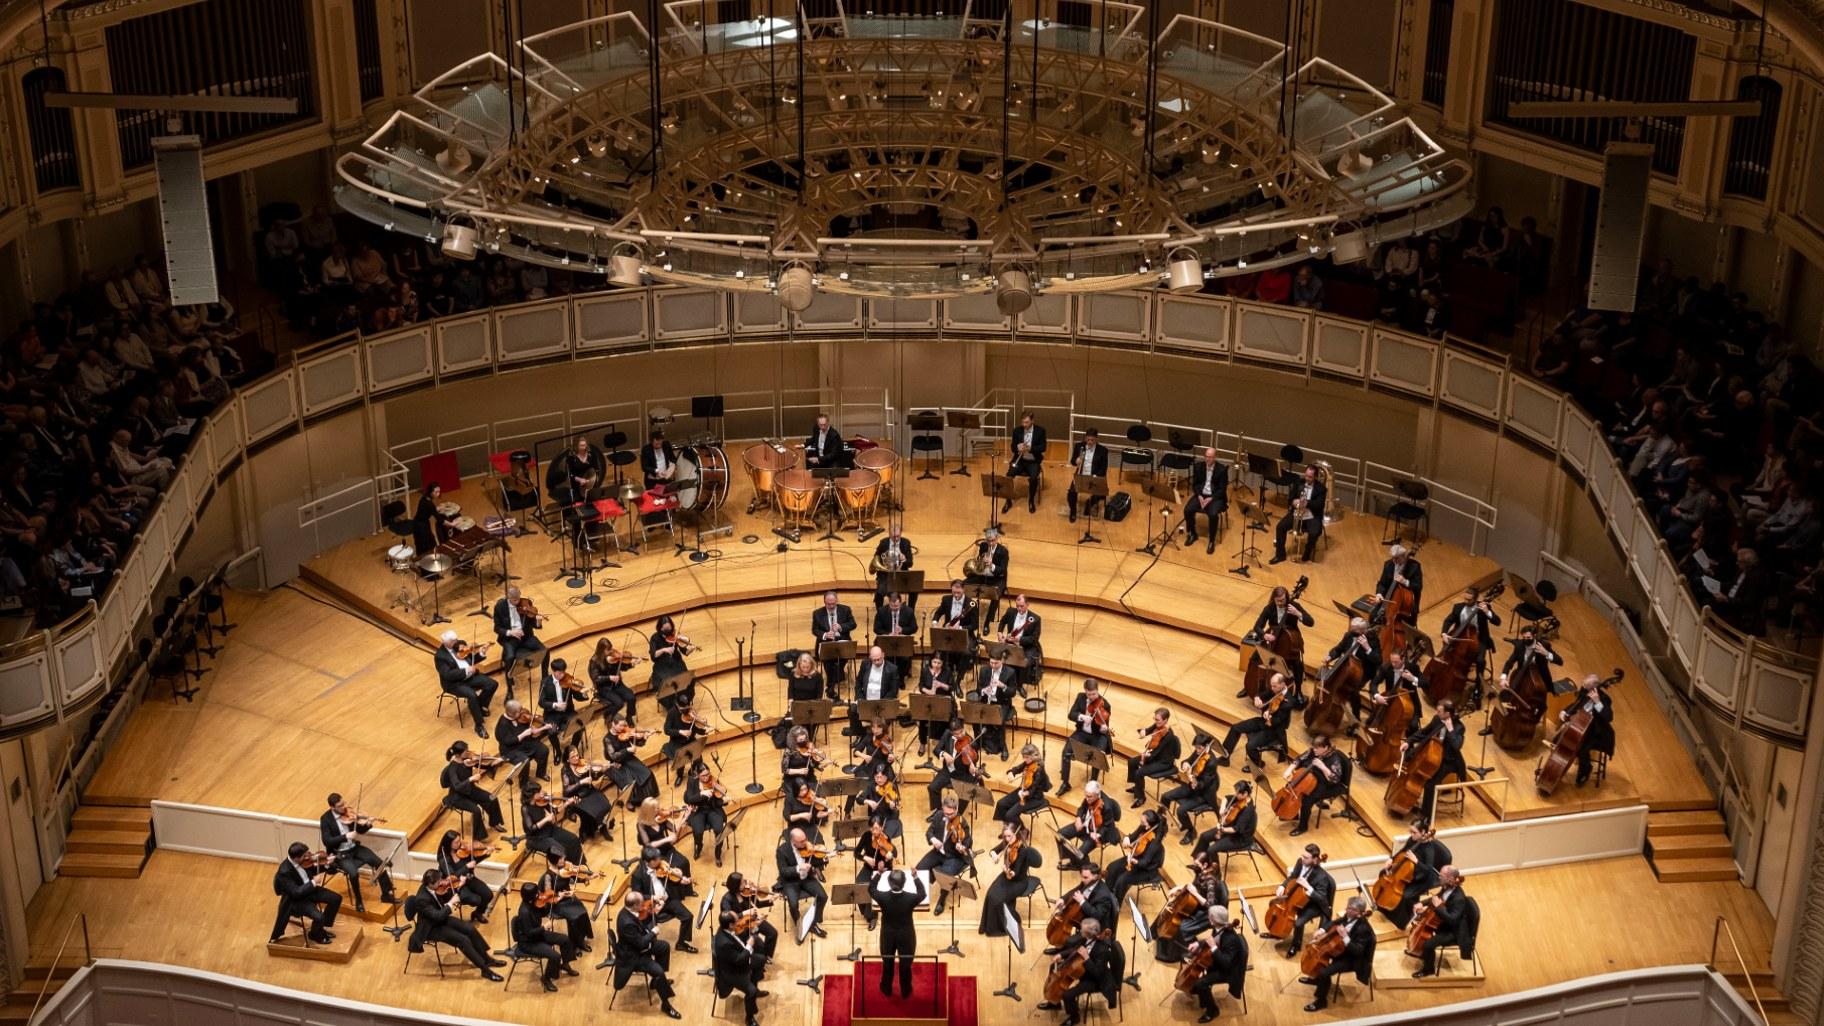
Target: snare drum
<point x="401" y="557"/>
<point x="858" y="491"/>
<point x="796" y="491"/>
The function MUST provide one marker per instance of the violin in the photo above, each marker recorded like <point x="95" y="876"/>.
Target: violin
<point x="668" y="873"/>
<point x="957" y="834"/>
<point x="476" y="760"/>
<point x="883" y="847"/>
<point x="695" y="724"/>
<point x="680" y="642"/>
<point x="809" y="798"/>
<point x="751" y="892"/>
<point x="1099" y="711"/>
<point x="572" y="872"/>
<point x="528" y="612"/>
<point x="354" y="818"/>
<point x="714" y="788"/>
<point x="317" y="860"/>
<point x="547" y="800"/>
<point x="1155" y="736"/>
<point x="467" y="849"/>
<point x="746" y="922"/>
<point x="582" y="767"/>
<point x="623" y="658"/>
<point x="813" y="753"/>
<point x="883" y="744"/>
<point x="813" y="853"/>
<point x="1138" y="845"/>
<point x="568" y="682"/>
<point x="1028" y="774"/>
<point x="463" y="649"/>
<point x="888" y="793"/>
<point x="443" y="886"/>
<point x="966" y="756"/>
<point x="529" y="721"/>
<point x="1232" y="810"/>
<point x="624" y="732"/>
<point x="1191" y="769"/>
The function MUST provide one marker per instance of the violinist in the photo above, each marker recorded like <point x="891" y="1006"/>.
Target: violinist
<point x="1091" y="720"/>
<point x="1357" y="955"/>
<point x="1267" y="728"/>
<point x="456" y="862"/>
<point x="1198" y="778"/>
<point x="527" y="929"/>
<point x="936" y="678"/>
<point x="736" y="966"/>
<point x="638" y="949"/>
<point x="1095" y="825"/>
<point x="1452" y="908"/>
<point x="583" y="785"/>
<point x="558" y="702"/>
<point x="299" y="885"/>
<point x="1103" y="965"/>
<point x="1236" y="819"/>
<point x="434" y="921"/>
<point x="882" y="799"/>
<point x="620" y="746"/>
<point x="1472" y="613"/>
<point x="951" y="844"/>
<point x="991" y="562"/>
<point x="1393" y="677"/>
<point x="1030" y="784"/>
<point x="742" y="896"/>
<point x="997" y="684"/>
<point x="517" y="634"/>
<point x="1428" y="855"/>
<point x="1020" y="626"/>
<point x="1401" y="569"/>
<point x="540" y="816"/>
<point x="800" y="761"/>
<point x="875" y="853"/>
<point x="1308" y="872"/>
<point x="957" y="759"/>
<point x="898" y="895"/>
<point x="805" y="810"/>
<point x="607" y="674"/>
<point x="456" y="675"/>
<point x="683" y="728"/>
<point x="1280" y="613"/>
<point x="1142" y="853"/>
<point x="662" y="829"/>
<point x="666" y="648"/>
<point x="1364" y="645"/>
<point x="1445" y="725"/>
<point x="522" y="738"/>
<point x="1228" y="962"/>
<point x="897" y="620"/>
<point x="1158" y="756"/>
<point x="665" y="887"/>
<point x="1332" y="772"/>
<point x="340" y="827"/>
<point x="707" y="801"/>
<point x="892" y="553"/>
<point x="461" y="780"/>
<point x="831" y="622"/>
<point x="877" y="750"/>
<point x="801" y="868"/>
<point x="1307" y="507"/>
<point x="1013" y="879"/>
<point x="1600" y="737"/>
<point x="1209" y="497"/>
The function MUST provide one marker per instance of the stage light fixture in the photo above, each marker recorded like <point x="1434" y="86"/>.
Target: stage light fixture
<point x="460" y="241"/>
<point x="1186" y="271"/>
<point x="1013" y="292"/>
<point x="796" y="288"/>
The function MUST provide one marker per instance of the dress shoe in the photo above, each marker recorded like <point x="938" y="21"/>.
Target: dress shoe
<point x="671" y="1013"/>
<point x="481" y="732"/>
<point x="1190" y="539"/>
<point x="939" y="909"/>
<point x="479" y="917"/>
<point x="1052" y="951"/>
<point x="1297" y="832"/>
<point x="1210" y="550"/>
<point x="1073" y="516"/>
<point x="1189" y="838"/>
<point x="497" y="963"/>
<point x="818" y="930"/>
<point x="1207" y="1017"/>
<point x="1008" y="505"/>
<point x="585" y="947"/>
<point x="549" y="985"/>
<point x="687" y="947"/>
<point x="1049" y="1006"/>
<point x="1314" y="1007"/>
<point x="1276" y="560"/>
<point x="1422" y="973"/>
<point x="491" y="976"/>
<point x="1063" y="788"/>
<point x="568" y="971"/>
<point x="321" y="938"/>
<point x="872" y="923"/>
<point x="1307" y="981"/>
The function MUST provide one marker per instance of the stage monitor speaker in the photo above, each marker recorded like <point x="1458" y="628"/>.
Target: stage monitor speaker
<point x="183" y="212"/>
<point x="704" y="407"/>
<point x="1621" y="223"/>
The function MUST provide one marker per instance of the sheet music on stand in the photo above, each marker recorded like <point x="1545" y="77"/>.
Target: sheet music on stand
<point x="705" y="907"/>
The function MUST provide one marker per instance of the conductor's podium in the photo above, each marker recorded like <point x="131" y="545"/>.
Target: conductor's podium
<point x="937" y="998"/>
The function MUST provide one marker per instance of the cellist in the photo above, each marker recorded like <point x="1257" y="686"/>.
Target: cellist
<point x="1365" y="645"/>
<point x="1236" y="819"/>
<point x="1357" y="955"/>
<point x="1091" y="895"/>
<point x="1324" y="760"/>
<point x="1268" y="728"/>
<point x="1428" y="855"/>
<point x="1473" y="613"/>
<point x="1600" y="737"/>
<point x="1451" y="905"/>
<point x="1444" y="725"/>
<point x="1401" y="569"/>
<point x="1228" y="962"/>
<point x="1103" y="964"/>
<point x="1308" y="872"/>
<point x="1211" y="893"/>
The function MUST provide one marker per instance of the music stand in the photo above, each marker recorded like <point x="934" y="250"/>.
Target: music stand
<point x="950" y="641"/>
<point x="852" y="895"/>
<point x="977" y="794"/>
<point x="1016" y="941"/>
<point x="811" y="713"/>
<point x="803" y="929"/>
<point x="949" y="889"/>
<point x="929" y="708"/>
<point x="898" y="647"/>
<point x="1161" y="489"/>
<point x="1252" y="521"/>
<point x="983" y="714"/>
<point x="703" y="909"/>
<point x="1269" y="469"/>
<point x="881" y="709"/>
<point x="989" y="593"/>
<point x="1143" y="934"/>
<point x="1008" y="652"/>
<point x="904" y="582"/>
<point x="835" y="652"/>
<point x="829" y="475"/>
<point x="673" y="684"/>
<point x="840" y="787"/>
<point x="998" y="488"/>
<point x="1089" y="487"/>
<point x="964" y="422"/>
<point x="1095" y="758"/>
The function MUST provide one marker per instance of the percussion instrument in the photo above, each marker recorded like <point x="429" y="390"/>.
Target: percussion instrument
<point x="702" y="478"/>
<point x="764" y="461"/>
<point x="520" y="457"/>
<point x="436" y="563"/>
<point x="658" y="416"/>
<point x="448" y="509"/>
<point x="858" y="492"/>
<point x="465" y="545"/>
<point x="463" y="523"/>
<point x="501" y="527"/>
<point x="883" y="461"/>
<point x="796" y="491"/>
<point x="401" y="557"/>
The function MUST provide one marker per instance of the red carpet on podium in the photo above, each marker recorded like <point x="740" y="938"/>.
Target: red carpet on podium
<point x="846" y="1003"/>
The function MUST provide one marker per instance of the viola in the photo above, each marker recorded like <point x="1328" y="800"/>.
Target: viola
<point x="1099" y="711"/>
<point x="569" y="683"/>
<point x="1028" y="774"/>
<point x="624" y="732"/>
<point x="883" y="847"/>
<point x="1141" y="841"/>
<point x="808" y="797"/>
<point x="1192" y="769"/>
<point x="811" y="752"/>
<point x="547" y="800"/>
<point x="966" y="756"/>
<point x="1010" y="858"/>
<point x="529" y="721"/>
<point x="1155" y="736"/>
<point x="888" y="794"/>
<point x="528" y="612"/>
<point x="1288" y="644"/>
<point x="467" y="849"/>
<point x="1231" y="810"/>
<point x="463" y="649"/>
<point x="680" y="642"/>
<point x="443" y="885"/>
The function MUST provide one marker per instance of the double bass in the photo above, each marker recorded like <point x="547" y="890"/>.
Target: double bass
<point x="1458" y="652"/>
<point x="1520" y="704"/>
<point x="1337" y="685"/>
<point x="1377" y="751"/>
<point x="1288" y="644"/>
<point x="1566" y="742"/>
<point x="1416" y="767"/>
<point x="1395" y="611"/>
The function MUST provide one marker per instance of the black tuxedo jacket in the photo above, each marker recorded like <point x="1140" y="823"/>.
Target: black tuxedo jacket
<point x="889" y="680"/>
<point x="1271" y="618"/>
<point x="1038" y="441"/>
<point x="1415" y="579"/>
<point x="832" y="446"/>
<point x="1098" y="462"/>
<point x="970" y="619"/>
<point x="1219" y="494"/>
<point x="907" y="619"/>
<point x="731" y="962"/>
<point x="332" y="835"/>
<point x="997" y="565"/>
<point x="503" y="622"/>
<point x="649" y="464"/>
<point x="844" y="625"/>
<point x="905" y="548"/>
<point x="897" y="908"/>
<point x="1478" y="618"/>
<point x="1029" y="638"/>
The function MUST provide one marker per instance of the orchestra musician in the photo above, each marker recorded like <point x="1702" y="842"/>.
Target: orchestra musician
<point x="1357" y="956"/>
<point x="1279" y="614"/>
<point x="1091" y="718"/>
<point x="875" y="854"/>
<point x="876" y="681"/>
<point x="736" y="966"/>
<point x="457" y="675"/>
<point x="1600" y="737"/>
<point x="1236" y="819"/>
<point x="620" y="746"/>
<point x="1013" y="878"/>
<point x="1446" y="725"/>
<point x="898" y="895"/>
<point x="299" y="885"/>
<point x="951" y="845"/>
<point x="876" y="751"/>
<point x="825" y="447"/>
<point x="1209" y="497"/>
<point x="522" y="738"/>
<point x="458" y="866"/>
<point x="1531" y="654"/>
<point x="518" y="635"/>
<point x="582" y="469"/>
<point x="882" y="800"/>
<point x="583" y="783"/>
<point x="1087" y="459"/>
<point x="806" y="811"/>
<point x="798" y="764"/>
<point x="1308" y="872"/>
<point x="1267" y="728"/>
<point x="951" y="763"/>
<point x="665" y="887"/>
<point x="657" y="828"/>
<point x="683" y="728"/>
<point x="1028" y="448"/>
<point x="430" y="528"/>
<point x="992" y="559"/>
<point x="961" y="612"/>
<point x="1198" y="778"/>
<point x="936" y="679"/>
<point x="666" y="649"/>
<point x="341" y="827"/>
<point x="1308" y="509"/>
<point x="1393" y="676"/>
<point x="1020" y="626"/>
<point x="540" y="816"/>
<point x="1401" y="568"/>
<point x="1228" y="962"/>
<point x="1030" y="784"/>
<point x="1211" y="893"/>
<point x="638" y="949"/>
<point x="1332" y="777"/>
<point x="1143" y="852"/>
<point x="892" y="553"/>
<point x="1091" y="894"/>
<point x="658" y="460"/>
<point x="1428" y="856"/>
<point x="997" y="685"/>
<point x="1454" y="925"/>
<point x="557" y="704"/>
<point x="461" y="781"/>
<point x="1158" y="755"/>
<point x="803" y="683"/>
<point x="1096" y="824"/>
<point x="741" y="895"/>
<point x="1365" y="645"/>
<point x="434" y="921"/>
<point x="895" y="619"/>
<point x="527" y="929"/>
<point x="608" y="677"/>
<point x="1473" y="613"/>
<point x="707" y="801"/>
<point x="1103" y="966"/>
<point x="832" y="621"/>
<point x="801" y="876"/>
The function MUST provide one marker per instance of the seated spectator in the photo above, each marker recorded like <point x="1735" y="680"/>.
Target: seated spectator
<point x="317" y="231"/>
<point x="147" y="472"/>
<point x="148" y="284"/>
<point x="1307" y="289"/>
<point x="334" y="270"/>
<point x="1489" y="244"/>
<point x="1433" y="318"/>
<point x="534" y="281"/>
<point x="1274" y="285"/>
<point x="368" y="268"/>
<point x="281" y="242"/>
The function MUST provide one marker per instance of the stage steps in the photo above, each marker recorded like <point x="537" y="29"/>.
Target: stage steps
<point x="1779" y="1010"/>
<point x="1689" y="846"/>
<point x="108" y="840"/>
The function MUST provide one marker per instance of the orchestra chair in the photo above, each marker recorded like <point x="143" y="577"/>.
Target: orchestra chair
<point x="1139" y="456"/>
<point x="1413" y="506"/>
<point x="212" y="602"/>
<point x="514" y="955"/>
<point x="163" y="665"/>
<point x="1451" y="801"/>
<point x="434" y="949"/>
<point x="927" y="445"/>
<point x="1531" y="608"/>
<point x="655" y="513"/>
<point x="1466" y="942"/>
<point x="1319" y="808"/>
<point x="462" y="707"/>
<point x="611" y="512"/>
<point x="1599" y="768"/>
<point x="1095" y="1004"/>
<point x="645" y="977"/>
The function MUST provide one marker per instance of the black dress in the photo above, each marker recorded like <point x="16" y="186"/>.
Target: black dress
<point x="1005" y="890"/>
<point x="593" y="810"/>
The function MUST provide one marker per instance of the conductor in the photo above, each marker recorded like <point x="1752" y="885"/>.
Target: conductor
<point x="898" y="937"/>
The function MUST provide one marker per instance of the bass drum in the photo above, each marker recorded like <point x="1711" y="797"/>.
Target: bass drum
<point x="703" y="469"/>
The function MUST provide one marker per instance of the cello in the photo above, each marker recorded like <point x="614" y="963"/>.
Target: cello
<point x="1377" y="751"/>
<point x="1064" y="921"/>
<point x="1193" y="968"/>
<point x="1389" y="887"/>
<point x="1288" y="644"/>
<point x="1300" y="784"/>
<point x="1325" y="947"/>
<point x="1283" y="910"/>
<point x="1066" y="972"/>
<point x="1424" y="926"/>
<point x="1181" y="906"/>
<point x="1337" y="685"/>
<point x="1458" y="652"/>
<point x="1417" y="766"/>
<point x="1566" y="742"/>
<point x="1520" y="704"/>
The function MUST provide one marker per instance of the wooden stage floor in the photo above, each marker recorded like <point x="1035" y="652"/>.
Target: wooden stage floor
<point x="322" y="687"/>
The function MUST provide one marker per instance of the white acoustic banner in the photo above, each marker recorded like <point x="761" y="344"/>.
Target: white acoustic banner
<point x="1621" y="225"/>
<point x="183" y="211"/>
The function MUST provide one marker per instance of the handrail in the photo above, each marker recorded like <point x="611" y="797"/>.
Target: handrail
<point x="1722" y="927"/>
<point x="1500" y="808"/>
<point x="88" y="957"/>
